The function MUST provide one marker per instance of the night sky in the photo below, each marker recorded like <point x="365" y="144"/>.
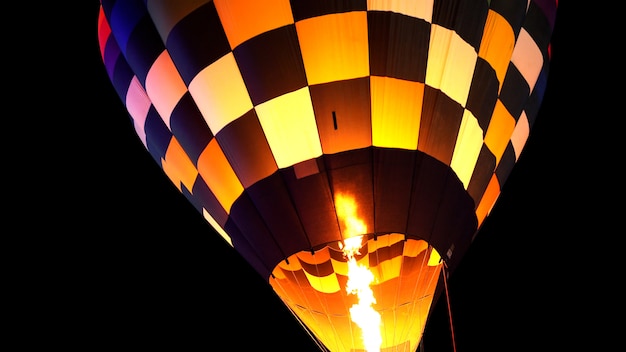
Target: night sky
<point x="140" y="267"/>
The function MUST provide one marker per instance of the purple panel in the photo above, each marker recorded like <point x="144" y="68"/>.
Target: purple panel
<point x="124" y="17"/>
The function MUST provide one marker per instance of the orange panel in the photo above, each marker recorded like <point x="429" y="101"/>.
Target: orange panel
<point x="334" y="47"/>
<point x="499" y="131"/>
<point x="497" y="44"/>
<point x="488" y="200"/>
<point x="219" y="175"/>
<point x="258" y="16"/>
<point x="178" y="166"/>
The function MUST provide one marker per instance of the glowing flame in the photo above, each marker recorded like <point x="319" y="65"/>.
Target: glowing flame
<point x="359" y="276"/>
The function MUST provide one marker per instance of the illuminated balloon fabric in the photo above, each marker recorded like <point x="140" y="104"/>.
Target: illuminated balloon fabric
<point x="263" y="112"/>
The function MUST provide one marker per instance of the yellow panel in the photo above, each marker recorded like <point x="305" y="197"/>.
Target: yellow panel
<point x="289" y="125"/>
<point x="451" y="63"/>
<point x="334" y="47"/>
<point x="220" y="94"/>
<point x="439" y="45"/>
<point x="178" y="166"/>
<point x="527" y="58"/>
<point x="499" y="131"/>
<point x="497" y="44"/>
<point x="434" y="258"/>
<point x="421" y="9"/>
<point x="258" y="17"/>
<point x="459" y="70"/>
<point x="488" y="199"/>
<point x="396" y="112"/>
<point x="167" y="13"/>
<point x="389" y="269"/>
<point x="219" y="175"/>
<point x="414" y="248"/>
<point x="520" y="134"/>
<point x="325" y="284"/>
<point x="164" y="86"/>
<point x="340" y="267"/>
<point x="468" y="144"/>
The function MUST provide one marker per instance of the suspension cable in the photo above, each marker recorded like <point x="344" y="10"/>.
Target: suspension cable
<point x="445" y="282"/>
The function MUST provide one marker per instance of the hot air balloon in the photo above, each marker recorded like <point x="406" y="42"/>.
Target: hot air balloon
<point x="349" y="150"/>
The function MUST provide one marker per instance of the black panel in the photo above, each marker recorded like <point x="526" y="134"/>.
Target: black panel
<point x="190" y="128"/>
<point x="247" y="250"/>
<point x="303" y="9"/>
<point x="505" y="166"/>
<point x="271" y="64"/>
<point x="197" y="41"/>
<point x="514" y="11"/>
<point x="349" y="100"/>
<point x="355" y="180"/>
<point x="314" y="202"/>
<point x="538" y="26"/>
<point x="273" y="203"/>
<point x="466" y="17"/>
<point x="398" y="46"/>
<point x="485" y="166"/>
<point x="455" y="221"/>
<point x="439" y="127"/>
<point x="514" y="92"/>
<point x="244" y="145"/>
<point x="244" y="215"/>
<point x="483" y="93"/>
<point x="533" y="104"/>
<point x="122" y="74"/>
<point x="143" y="49"/>
<point x="429" y="181"/>
<point x="158" y="136"/>
<point x="393" y="174"/>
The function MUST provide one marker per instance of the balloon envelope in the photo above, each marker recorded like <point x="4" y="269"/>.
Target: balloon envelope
<point x="295" y="126"/>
